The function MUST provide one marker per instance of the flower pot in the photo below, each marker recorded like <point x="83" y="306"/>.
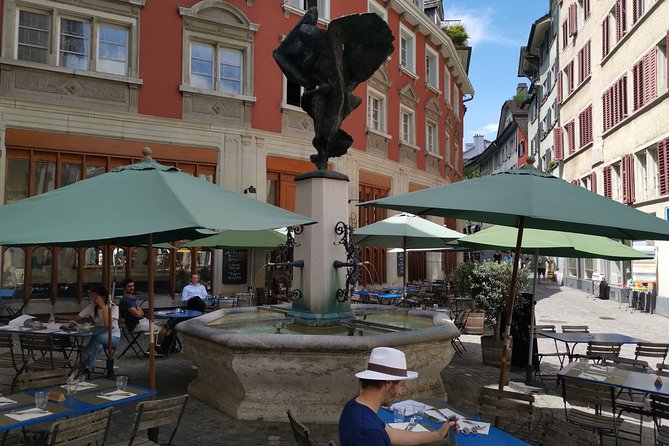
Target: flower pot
<point x="491" y="351"/>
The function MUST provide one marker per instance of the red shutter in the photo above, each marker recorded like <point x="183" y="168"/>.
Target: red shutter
<point x="593" y="182"/>
<point x="574" y="28"/>
<point x="557" y="144"/>
<point x="650" y="76"/>
<point x="605" y="111"/>
<point x="628" y="179"/>
<point x="608" y="189"/>
<point x="637" y="6"/>
<point x="576" y="182"/>
<point x="605" y="37"/>
<point x="637" y="72"/>
<point x="586" y="9"/>
<point x="565" y="34"/>
<point x="580" y="66"/>
<point x="663" y="166"/>
<point x="588" y="66"/>
<point x="667" y="46"/>
<point x="559" y="87"/>
<point x="623" y="97"/>
<point x="621" y="19"/>
<point x="590" y="131"/>
<point x="571" y="137"/>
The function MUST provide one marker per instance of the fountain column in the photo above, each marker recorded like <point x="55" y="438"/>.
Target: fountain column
<point x="321" y="195"/>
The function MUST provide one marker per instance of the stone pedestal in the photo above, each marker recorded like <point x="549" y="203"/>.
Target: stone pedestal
<point x="323" y="197"/>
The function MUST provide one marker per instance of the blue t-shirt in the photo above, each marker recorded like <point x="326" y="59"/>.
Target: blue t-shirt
<point x="360" y="426"/>
<point x="124" y="306"/>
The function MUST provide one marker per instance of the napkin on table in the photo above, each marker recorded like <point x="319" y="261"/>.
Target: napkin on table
<point x="4" y="401"/>
<point x="28" y="414"/>
<point x="410" y="407"/>
<point x="116" y="395"/>
<point x="403" y="426"/>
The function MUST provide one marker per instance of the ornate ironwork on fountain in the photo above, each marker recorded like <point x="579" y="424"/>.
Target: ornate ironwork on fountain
<point x="352" y="263"/>
<point x="284" y="264"/>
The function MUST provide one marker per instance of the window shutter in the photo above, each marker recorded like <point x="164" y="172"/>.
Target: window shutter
<point x="650" y="76"/>
<point x="637" y="6"/>
<point x="663" y="166"/>
<point x="586" y="9"/>
<point x="628" y="179"/>
<point x="559" y="87"/>
<point x="637" y="70"/>
<point x="588" y="66"/>
<point x="580" y="66"/>
<point x="608" y="189"/>
<point x="623" y="97"/>
<point x="593" y="182"/>
<point x="605" y="111"/>
<point x="621" y="19"/>
<point x="571" y="137"/>
<point x="605" y="37"/>
<point x="557" y="144"/>
<point x="574" y="28"/>
<point x="575" y="182"/>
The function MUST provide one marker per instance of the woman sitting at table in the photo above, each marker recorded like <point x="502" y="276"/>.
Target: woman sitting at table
<point x="98" y="311"/>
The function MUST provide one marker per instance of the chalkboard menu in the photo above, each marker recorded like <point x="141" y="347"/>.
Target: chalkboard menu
<point x="234" y="266"/>
<point x="400" y="264"/>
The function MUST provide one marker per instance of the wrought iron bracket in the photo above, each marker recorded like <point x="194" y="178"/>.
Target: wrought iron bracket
<point x="285" y="254"/>
<point x="352" y="263"/>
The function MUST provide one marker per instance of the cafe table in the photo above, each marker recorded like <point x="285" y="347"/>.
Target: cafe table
<point x="622" y="378"/>
<point x="584" y="338"/>
<point x="495" y="437"/>
<point x="84" y="401"/>
<point x="180" y="314"/>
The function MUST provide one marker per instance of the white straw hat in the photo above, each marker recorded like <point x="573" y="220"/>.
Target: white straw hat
<point x="387" y="364"/>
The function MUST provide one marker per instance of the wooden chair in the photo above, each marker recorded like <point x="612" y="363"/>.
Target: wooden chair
<point x="150" y="414"/>
<point x="560" y="355"/>
<point x="659" y="406"/>
<point x="651" y="350"/>
<point x="512" y="406"/>
<point x="82" y="430"/>
<point x="599" y="412"/>
<point x="41" y="379"/>
<point x="301" y="432"/>
<point x="41" y="353"/>
<point x="598" y="351"/>
<point x="15" y="361"/>
<point x="662" y="369"/>
<point x="575" y="329"/>
<point x="557" y="432"/>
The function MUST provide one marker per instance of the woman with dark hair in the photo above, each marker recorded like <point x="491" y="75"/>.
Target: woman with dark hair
<point x="98" y="311"/>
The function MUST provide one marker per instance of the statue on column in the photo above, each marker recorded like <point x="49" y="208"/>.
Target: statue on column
<point x="330" y="63"/>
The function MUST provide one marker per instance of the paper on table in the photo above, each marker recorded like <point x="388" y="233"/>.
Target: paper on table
<point x="403" y="426"/>
<point x="481" y="427"/>
<point x="4" y="401"/>
<point x="116" y="395"/>
<point x="83" y="385"/>
<point x="593" y="377"/>
<point x="447" y="413"/>
<point x="28" y="414"/>
<point x="18" y="322"/>
<point x="410" y="407"/>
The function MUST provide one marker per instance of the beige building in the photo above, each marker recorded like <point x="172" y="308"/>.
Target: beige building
<point x="613" y="127"/>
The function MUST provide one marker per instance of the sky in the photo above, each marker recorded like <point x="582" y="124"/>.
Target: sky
<point x="497" y="29"/>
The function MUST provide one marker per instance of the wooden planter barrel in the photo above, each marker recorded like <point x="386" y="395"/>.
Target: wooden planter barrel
<point x="475" y="323"/>
<point x="491" y="352"/>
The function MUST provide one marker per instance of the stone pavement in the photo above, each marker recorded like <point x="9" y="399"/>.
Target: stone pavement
<point x="463" y="378"/>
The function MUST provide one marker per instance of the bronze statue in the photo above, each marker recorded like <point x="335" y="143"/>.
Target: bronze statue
<point x="329" y="64"/>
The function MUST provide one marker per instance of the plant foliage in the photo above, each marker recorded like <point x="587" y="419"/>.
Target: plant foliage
<point x="458" y="35"/>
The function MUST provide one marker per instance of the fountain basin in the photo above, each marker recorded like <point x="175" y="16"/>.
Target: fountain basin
<point x="262" y="375"/>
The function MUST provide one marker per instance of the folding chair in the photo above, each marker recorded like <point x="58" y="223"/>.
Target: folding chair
<point x="133" y="340"/>
<point x="151" y="414"/>
<point x="599" y="406"/>
<point x="659" y="406"/>
<point x="41" y="379"/>
<point x="513" y="406"/>
<point x="9" y="359"/>
<point x="301" y="432"/>
<point x="598" y="351"/>
<point x="40" y="349"/>
<point x="651" y="350"/>
<point x="82" y="430"/>
<point x="575" y="329"/>
<point x="538" y="329"/>
<point x="557" y="432"/>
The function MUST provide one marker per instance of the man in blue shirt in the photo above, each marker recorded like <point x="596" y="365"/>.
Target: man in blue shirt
<point x="133" y="316"/>
<point x="381" y="383"/>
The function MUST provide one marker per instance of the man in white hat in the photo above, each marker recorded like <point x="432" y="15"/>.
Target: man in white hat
<point x="382" y="383"/>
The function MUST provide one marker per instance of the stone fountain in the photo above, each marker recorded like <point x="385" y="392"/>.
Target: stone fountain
<point x="307" y="357"/>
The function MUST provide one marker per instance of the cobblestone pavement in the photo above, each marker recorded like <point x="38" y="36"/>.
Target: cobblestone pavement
<point x="463" y="378"/>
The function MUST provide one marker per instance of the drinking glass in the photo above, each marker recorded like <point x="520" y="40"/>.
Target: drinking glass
<point x="121" y="382"/>
<point x="418" y="412"/>
<point x="610" y="371"/>
<point x="584" y="363"/>
<point x="398" y="414"/>
<point x="71" y="386"/>
<point x="41" y="398"/>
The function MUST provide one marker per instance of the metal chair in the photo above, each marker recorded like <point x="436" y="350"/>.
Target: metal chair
<point x="575" y="329"/>
<point x="662" y="369"/>
<point x="513" y="406"/>
<point x="659" y="406"/>
<point x="538" y="329"/>
<point x="595" y="398"/>
<point x="10" y="359"/>
<point x="301" y="432"/>
<point x="651" y="350"/>
<point x="460" y="321"/>
<point x="557" y="432"/>
<point x="41" y="379"/>
<point x="598" y="351"/>
<point x="151" y="414"/>
<point x="82" y="430"/>
<point x="40" y="352"/>
<point x="133" y="340"/>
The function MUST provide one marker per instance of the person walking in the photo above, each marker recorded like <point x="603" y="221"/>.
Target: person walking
<point x="381" y="384"/>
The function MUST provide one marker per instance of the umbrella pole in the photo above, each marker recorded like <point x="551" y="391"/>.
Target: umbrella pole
<point x="110" y="357"/>
<point x="406" y="272"/>
<point x="528" y="368"/>
<point x="509" y="307"/>
<point x="152" y="433"/>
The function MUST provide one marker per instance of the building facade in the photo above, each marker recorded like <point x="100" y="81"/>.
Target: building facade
<point x="86" y="84"/>
<point x="613" y="108"/>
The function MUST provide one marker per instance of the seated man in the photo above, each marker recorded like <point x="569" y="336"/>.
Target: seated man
<point x="194" y="294"/>
<point x="382" y="383"/>
<point x="133" y="315"/>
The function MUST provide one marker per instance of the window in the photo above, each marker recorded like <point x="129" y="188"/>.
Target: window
<point x="565" y="34"/>
<point x="606" y="42"/>
<point x="608" y="186"/>
<point x="627" y="162"/>
<point x="614" y="103"/>
<point x="406" y="126"/>
<point x="584" y="67"/>
<point x="521" y="148"/>
<point x="216" y="68"/>
<point x="621" y="19"/>
<point x="571" y="136"/>
<point x="663" y="166"/>
<point x="431" y="144"/>
<point x="585" y="127"/>
<point x="586" y="9"/>
<point x="637" y="10"/>
<point x="78" y="40"/>
<point x="407" y="49"/>
<point x="456" y="101"/>
<point x="322" y="5"/>
<point x="431" y="70"/>
<point x="376" y="111"/>
<point x="646" y="172"/>
<point x="644" y="79"/>
<point x="374" y="7"/>
<point x="569" y="71"/>
<point x="447" y="86"/>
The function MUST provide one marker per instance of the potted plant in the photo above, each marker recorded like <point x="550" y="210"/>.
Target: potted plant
<point x="462" y="280"/>
<point x="490" y="286"/>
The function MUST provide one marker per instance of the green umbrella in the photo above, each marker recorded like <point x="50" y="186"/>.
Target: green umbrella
<point x="404" y="231"/>
<point x="267" y="238"/>
<point x="526" y="197"/>
<point x="162" y="203"/>
<point x="550" y="243"/>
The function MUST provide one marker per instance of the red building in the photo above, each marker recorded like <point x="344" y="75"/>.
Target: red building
<point x="85" y="85"/>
